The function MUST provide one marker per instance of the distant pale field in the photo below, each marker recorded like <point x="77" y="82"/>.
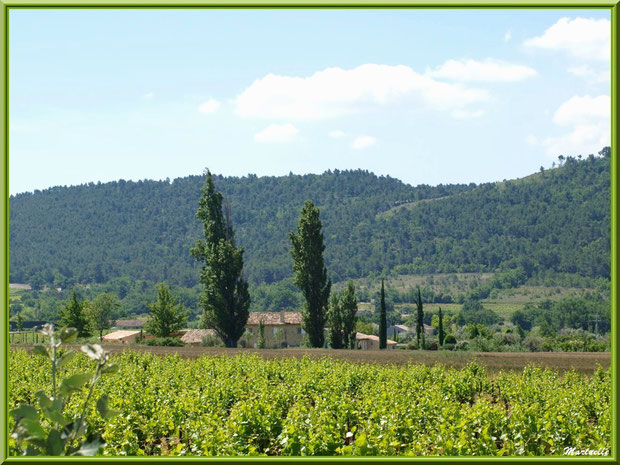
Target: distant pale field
<point x="447" y="282"/>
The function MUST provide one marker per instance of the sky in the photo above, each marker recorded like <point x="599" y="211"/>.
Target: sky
<point x="425" y="96"/>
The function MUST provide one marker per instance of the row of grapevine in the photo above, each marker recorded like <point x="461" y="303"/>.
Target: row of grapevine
<point x="246" y="405"/>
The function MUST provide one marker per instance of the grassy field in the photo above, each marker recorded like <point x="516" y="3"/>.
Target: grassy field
<point x="453" y="283"/>
<point x="502" y="301"/>
<point x="503" y="309"/>
<point x="582" y="362"/>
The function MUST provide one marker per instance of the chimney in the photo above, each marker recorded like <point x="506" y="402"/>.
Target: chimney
<point x="282" y="316"/>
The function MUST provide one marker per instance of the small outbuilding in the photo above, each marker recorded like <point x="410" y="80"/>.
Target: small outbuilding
<point x="371" y="342"/>
<point x="403" y="330"/>
<point x="122" y="336"/>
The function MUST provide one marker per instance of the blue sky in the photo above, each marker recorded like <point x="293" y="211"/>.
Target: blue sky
<point x="426" y="96"/>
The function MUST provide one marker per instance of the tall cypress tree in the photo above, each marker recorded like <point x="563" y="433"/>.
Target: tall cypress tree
<point x="334" y="321"/>
<point x="225" y="299"/>
<point x="74" y="315"/>
<point x="383" y="321"/>
<point x="442" y="334"/>
<point x="310" y="272"/>
<point x="261" y="335"/>
<point x="348" y="305"/>
<point x="419" y="327"/>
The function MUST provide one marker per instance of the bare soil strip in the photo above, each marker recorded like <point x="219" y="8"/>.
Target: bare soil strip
<point x="583" y="362"/>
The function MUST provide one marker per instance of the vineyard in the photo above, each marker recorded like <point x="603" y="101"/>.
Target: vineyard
<point x="246" y="405"/>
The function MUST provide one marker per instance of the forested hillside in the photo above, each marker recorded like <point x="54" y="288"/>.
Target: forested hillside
<point x="553" y="220"/>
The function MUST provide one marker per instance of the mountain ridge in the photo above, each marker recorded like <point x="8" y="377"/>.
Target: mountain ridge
<point x="98" y="231"/>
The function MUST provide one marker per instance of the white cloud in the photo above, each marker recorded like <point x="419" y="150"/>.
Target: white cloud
<point x="277" y="133"/>
<point x="336" y="134"/>
<point x="209" y="107"/>
<point x="507" y="36"/>
<point x="335" y="92"/>
<point x="482" y="71"/>
<point x="589" y="122"/>
<point x="531" y="139"/>
<point x="591" y="75"/>
<point x="584" y="139"/>
<point x="464" y="114"/>
<point x="584" y="38"/>
<point x="579" y="110"/>
<point x="148" y="96"/>
<point x="363" y="142"/>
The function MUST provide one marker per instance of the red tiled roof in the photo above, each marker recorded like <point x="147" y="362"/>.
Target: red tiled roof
<point x="195" y="336"/>
<point x="274" y="318"/>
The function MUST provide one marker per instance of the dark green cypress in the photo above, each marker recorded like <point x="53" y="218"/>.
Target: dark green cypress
<point x="419" y="320"/>
<point x="334" y="321"/>
<point x="442" y="334"/>
<point x="348" y="305"/>
<point x="74" y="315"/>
<point x="383" y="321"/>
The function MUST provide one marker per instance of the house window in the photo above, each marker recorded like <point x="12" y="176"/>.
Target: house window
<point x="299" y="331"/>
<point x="275" y="330"/>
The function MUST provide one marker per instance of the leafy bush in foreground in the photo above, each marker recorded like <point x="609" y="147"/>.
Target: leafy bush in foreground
<point x="46" y="429"/>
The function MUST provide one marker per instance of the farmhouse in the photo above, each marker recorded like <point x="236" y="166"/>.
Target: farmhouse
<point x="398" y="329"/>
<point x="282" y="329"/>
<point x="371" y="342"/>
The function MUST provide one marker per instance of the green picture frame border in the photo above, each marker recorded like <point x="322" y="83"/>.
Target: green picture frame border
<point x="7" y="5"/>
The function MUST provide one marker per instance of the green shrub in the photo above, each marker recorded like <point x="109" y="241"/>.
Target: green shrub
<point x="164" y="341"/>
<point x="212" y="340"/>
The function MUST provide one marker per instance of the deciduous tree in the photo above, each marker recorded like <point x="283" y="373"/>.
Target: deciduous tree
<point x="101" y="311"/>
